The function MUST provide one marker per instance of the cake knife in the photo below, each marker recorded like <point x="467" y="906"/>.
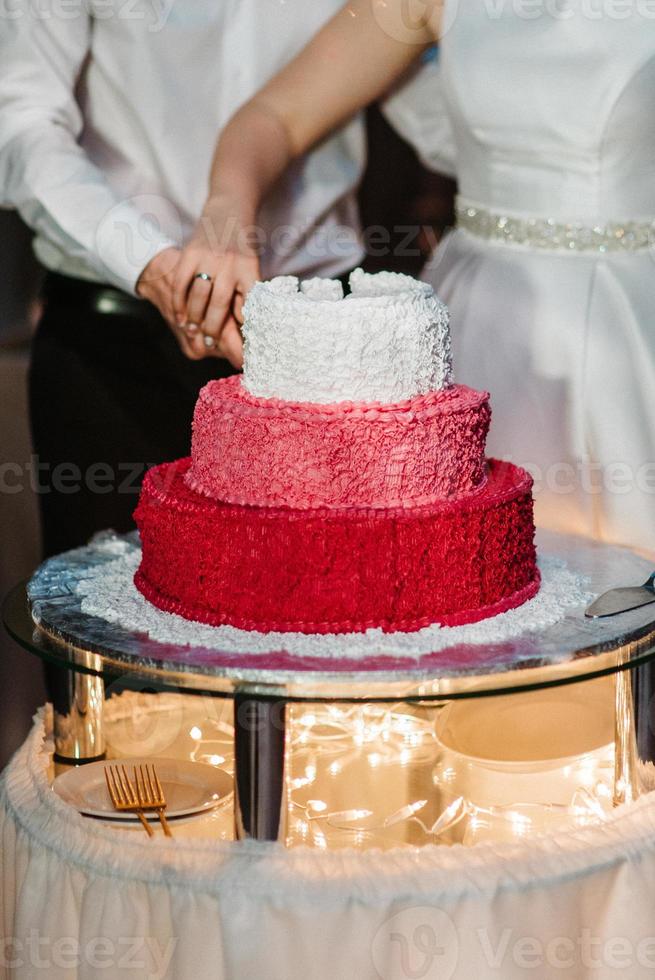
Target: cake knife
<point x="621" y="600"/>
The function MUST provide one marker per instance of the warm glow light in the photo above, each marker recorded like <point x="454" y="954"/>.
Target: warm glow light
<point x="334" y="740"/>
<point x="350" y="816"/>
<point x="475" y="823"/>
<point x="404" y="813"/>
<point x="520" y="823"/>
<point x="586" y="803"/>
<point x="445" y="776"/>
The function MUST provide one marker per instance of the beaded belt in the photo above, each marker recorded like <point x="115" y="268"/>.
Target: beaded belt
<point x="547" y="233"/>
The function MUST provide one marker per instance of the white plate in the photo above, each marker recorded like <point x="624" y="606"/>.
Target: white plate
<point x="189" y="787"/>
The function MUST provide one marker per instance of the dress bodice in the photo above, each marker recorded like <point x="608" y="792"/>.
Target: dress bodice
<point x="546" y="113"/>
<point x="552" y="106"/>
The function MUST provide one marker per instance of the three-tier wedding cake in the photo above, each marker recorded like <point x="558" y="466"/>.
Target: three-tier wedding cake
<point x="340" y="484"/>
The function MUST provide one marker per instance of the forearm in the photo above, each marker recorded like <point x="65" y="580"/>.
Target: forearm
<point x="350" y="62"/>
<point x="44" y="172"/>
<point x="252" y="154"/>
<point x="70" y="203"/>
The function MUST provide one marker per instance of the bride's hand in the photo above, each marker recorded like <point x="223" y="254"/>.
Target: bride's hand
<point x="210" y="286"/>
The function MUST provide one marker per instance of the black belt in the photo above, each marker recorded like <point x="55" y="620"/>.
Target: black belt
<point x="97" y="298"/>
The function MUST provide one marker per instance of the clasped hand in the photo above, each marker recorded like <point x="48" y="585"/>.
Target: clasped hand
<point x="205" y="312"/>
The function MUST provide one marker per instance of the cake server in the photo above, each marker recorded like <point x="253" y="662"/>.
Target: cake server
<point x="621" y="600"/>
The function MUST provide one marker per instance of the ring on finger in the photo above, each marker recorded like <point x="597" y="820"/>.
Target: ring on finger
<point x="204" y="276"/>
<point x="209" y="342"/>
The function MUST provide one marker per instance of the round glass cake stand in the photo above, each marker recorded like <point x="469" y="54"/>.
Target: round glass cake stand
<point x="610" y="659"/>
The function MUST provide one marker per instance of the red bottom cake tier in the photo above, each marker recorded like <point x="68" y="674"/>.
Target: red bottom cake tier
<point x="336" y="571"/>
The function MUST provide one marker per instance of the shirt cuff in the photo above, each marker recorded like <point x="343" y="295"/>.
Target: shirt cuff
<point x="128" y="237"/>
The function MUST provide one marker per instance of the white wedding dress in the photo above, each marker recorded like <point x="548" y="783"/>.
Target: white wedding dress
<point x="548" y="123"/>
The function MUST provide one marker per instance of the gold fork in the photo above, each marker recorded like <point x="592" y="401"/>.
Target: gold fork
<point x="150" y="794"/>
<point x="123" y="795"/>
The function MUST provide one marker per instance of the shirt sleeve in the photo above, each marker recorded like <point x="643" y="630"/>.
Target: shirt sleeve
<point x="417" y="110"/>
<point x="44" y="173"/>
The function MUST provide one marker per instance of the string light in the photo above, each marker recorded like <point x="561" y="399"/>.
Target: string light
<point x="340" y="737"/>
<point x="330" y="744"/>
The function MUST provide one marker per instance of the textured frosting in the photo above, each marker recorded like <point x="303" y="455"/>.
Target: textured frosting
<point x="386" y="342"/>
<point x="328" y="571"/>
<point x="108" y="591"/>
<point x="248" y="450"/>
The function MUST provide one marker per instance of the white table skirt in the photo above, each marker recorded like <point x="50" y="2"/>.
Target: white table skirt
<point x="79" y="900"/>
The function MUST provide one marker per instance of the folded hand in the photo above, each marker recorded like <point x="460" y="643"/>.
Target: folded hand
<point x="208" y="295"/>
<point x="200" y="291"/>
<point x="156" y="285"/>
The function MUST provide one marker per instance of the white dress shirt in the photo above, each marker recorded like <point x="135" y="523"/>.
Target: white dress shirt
<point x="109" y="114"/>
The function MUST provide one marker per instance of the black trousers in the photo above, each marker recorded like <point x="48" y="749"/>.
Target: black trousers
<point x="110" y="395"/>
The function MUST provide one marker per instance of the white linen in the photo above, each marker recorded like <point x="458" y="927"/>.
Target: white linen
<point x="541" y="127"/>
<point x="576" y="904"/>
<point x="109" y="176"/>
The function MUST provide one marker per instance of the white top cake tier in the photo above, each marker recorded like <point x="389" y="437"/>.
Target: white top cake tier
<point x="387" y="341"/>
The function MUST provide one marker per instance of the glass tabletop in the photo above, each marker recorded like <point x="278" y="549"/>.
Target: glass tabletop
<point x="52" y="624"/>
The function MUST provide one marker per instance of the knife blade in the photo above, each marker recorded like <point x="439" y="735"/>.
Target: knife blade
<point x="622" y="599"/>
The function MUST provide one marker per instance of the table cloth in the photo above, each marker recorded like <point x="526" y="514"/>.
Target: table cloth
<point x="80" y="899"/>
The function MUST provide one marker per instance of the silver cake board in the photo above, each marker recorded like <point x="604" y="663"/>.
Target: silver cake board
<point x="56" y="606"/>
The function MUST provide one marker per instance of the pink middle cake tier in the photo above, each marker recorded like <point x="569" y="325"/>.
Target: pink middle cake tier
<point x="267" y="452"/>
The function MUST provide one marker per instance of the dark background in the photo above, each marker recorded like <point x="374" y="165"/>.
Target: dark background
<point x="396" y="192"/>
